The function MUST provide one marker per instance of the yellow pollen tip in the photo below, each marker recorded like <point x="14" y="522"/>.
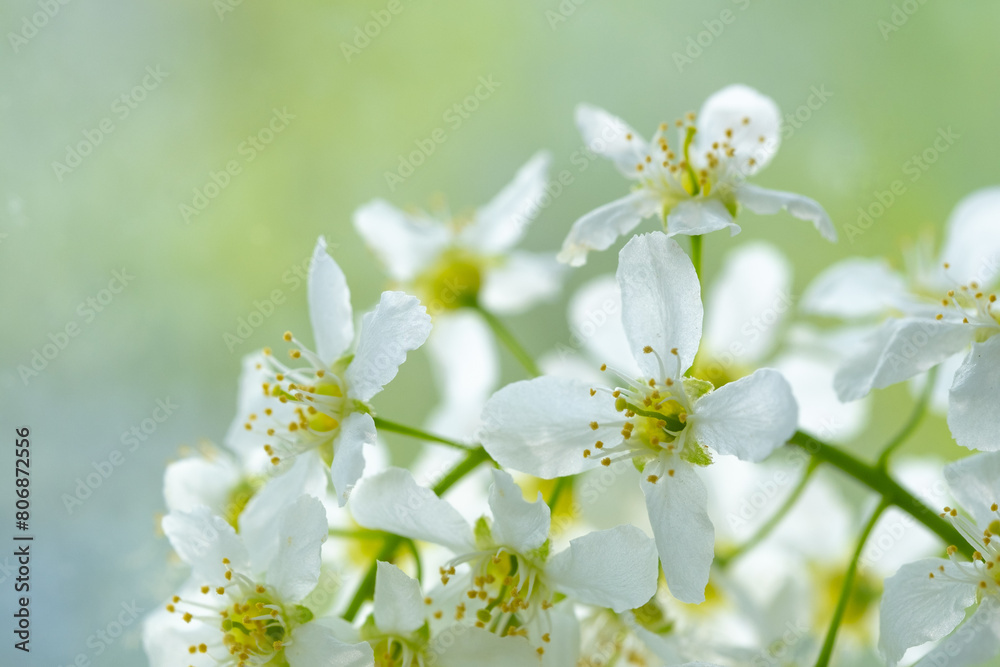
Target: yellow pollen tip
<point x="594" y="426"/>
<point x="647" y="349"/>
<point x="288" y="336"/>
<point x="652" y="479"/>
<point x="605" y="461"/>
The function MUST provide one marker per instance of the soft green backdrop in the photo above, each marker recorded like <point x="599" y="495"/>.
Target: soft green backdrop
<point x="162" y="337"/>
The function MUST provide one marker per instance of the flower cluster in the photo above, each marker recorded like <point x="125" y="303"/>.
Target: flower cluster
<point x="517" y="533"/>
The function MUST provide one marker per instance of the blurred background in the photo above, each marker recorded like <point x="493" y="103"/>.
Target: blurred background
<point x="116" y="118"/>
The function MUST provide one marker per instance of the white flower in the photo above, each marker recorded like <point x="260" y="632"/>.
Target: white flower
<point x="320" y="400"/>
<point x="664" y="422"/>
<point x="697" y="186"/>
<point x="467" y="260"/>
<point x="926" y="600"/>
<point x="244" y="603"/>
<point x="509" y="570"/>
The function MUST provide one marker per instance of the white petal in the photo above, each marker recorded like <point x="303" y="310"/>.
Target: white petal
<point x="399" y="604"/>
<point x="973" y="415"/>
<point x="661" y="302"/>
<point x="595" y="320"/>
<point x="685" y="538"/>
<point x="501" y="223"/>
<point x="973" y="243"/>
<point x="398" y="325"/>
<point x="610" y="137"/>
<point x="523" y="280"/>
<point x="348" y="464"/>
<point x="977" y="641"/>
<point x="517" y="523"/>
<point x="854" y="288"/>
<point x="917" y="608"/>
<point x="542" y="426"/>
<point x="329" y="305"/>
<point x="768" y="202"/>
<point x="614" y="568"/>
<point x="466" y="646"/>
<point x="748" y="303"/>
<point x="694" y="217"/>
<point x="975" y="481"/>
<point x="404" y="244"/>
<point x="748" y="418"/>
<point x="392" y="501"/>
<point x="202" y="540"/>
<point x="314" y="645"/>
<point x="166" y="639"/>
<point x="199" y="480"/>
<point x="250" y="399"/>
<point x="598" y="229"/>
<point x="726" y="110"/>
<point x="898" y="350"/>
<point x="306" y="475"/>
<point x="820" y="411"/>
<point x="294" y="571"/>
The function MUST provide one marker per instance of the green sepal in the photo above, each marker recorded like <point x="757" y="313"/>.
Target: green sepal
<point x="483" y="534"/>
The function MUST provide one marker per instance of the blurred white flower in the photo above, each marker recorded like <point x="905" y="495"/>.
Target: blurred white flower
<point x="320" y="401"/>
<point x="510" y="572"/>
<point x="243" y="604"/>
<point x="928" y="599"/>
<point x="467" y="261"/>
<point x="699" y="185"/>
<point x="664" y="422"/>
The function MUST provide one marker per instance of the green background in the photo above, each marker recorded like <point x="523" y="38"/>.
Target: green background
<point x="163" y="335"/>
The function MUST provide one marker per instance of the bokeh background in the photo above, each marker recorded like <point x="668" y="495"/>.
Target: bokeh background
<point x="225" y="67"/>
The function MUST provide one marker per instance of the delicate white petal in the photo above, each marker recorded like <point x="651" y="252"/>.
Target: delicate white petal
<point x="501" y="223"/>
<point x="202" y="540"/>
<point x="348" y="464"/>
<point x="748" y="418"/>
<point x="614" y="568"/>
<point x="523" y="280"/>
<point x="329" y="305"/>
<point x="973" y="412"/>
<point x="166" y="639"/>
<point x="598" y="229"/>
<point x="466" y="646"/>
<point x="251" y="399"/>
<point x="517" y="523"/>
<point x="467" y="368"/>
<point x="542" y="426"/>
<point x="976" y="642"/>
<point x="306" y="475"/>
<point x="767" y="202"/>
<point x="821" y="413"/>
<point x="314" y="645"/>
<point x="200" y="480"/>
<point x="392" y="501"/>
<point x="294" y="571"/>
<point x="853" y="288"/>
<point x="755" y="122"/>
<point x="398" y="325"/>
<point x="897" y="351"/>
<point x="748" y="303"/>
<point x="975" y="481"/>
<point x="918" y="608"/>
<point x="973" y="243"/>
<point x="399" y="604"/>
<point x="694" y="217"/>
<point x="685" y="538"/>
<point x="404" y="244"/>
<point x="563" y="647"/>
<point x="661" y="302"/>
<point x="595" y="320"/>
<point x="610" y="137"/>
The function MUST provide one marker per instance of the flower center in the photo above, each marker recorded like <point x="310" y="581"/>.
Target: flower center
<point x="984" y="570"/>
<point x="974" y="307"/>
<point x="453" y="281"/>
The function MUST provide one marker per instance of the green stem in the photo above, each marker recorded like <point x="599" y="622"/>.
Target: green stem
<point x="357" y="533"/>
<point x="367" y="586"/>
<point x="773" y="521"/>
<point x="696" y="255"/>
<point x="386" y="425"/>
<point x="879" y="481"/>
<point x="911" y="425"/>
<point x="845" y="592"/>
<point x="510" y="342"/>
